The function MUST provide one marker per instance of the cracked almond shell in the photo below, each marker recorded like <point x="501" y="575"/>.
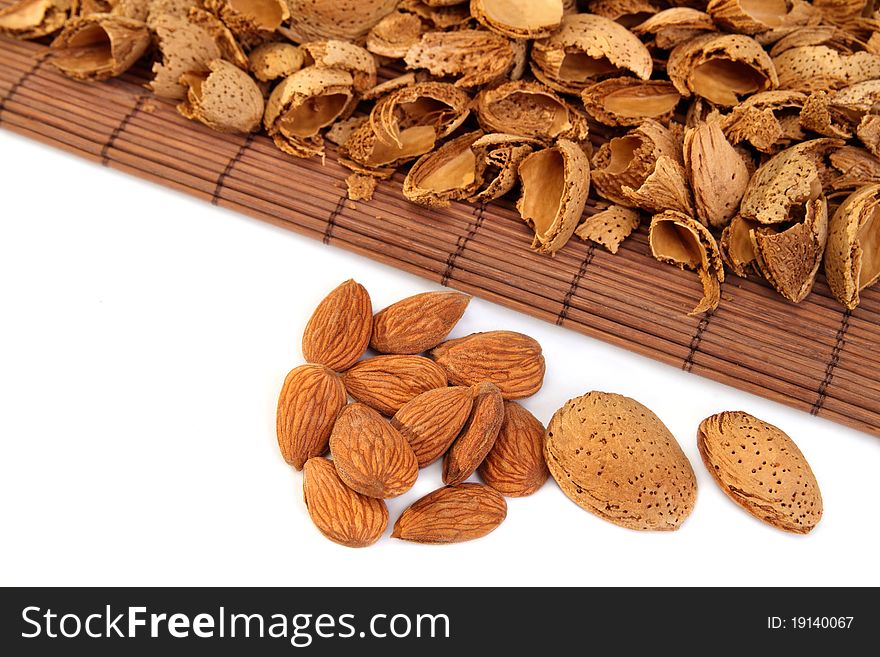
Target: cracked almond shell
<point x="529" y="109"/>
<point x="616" y="459"/>
<point x="370" y="456"/>
<point x="305" y="103"/>
<point x="222" y="35"/>
<point x="721" y="68"/>
<point x="821" y="68"/>
<point x="185" y="48"/>
<point x="274" y="60"/>
<point x="609" y="227"/>
<point x="339" y="513"/>
<point x="502" y="155"/>
<point x="761" y="469"/>
<point x="252" y="21"/>
<point x="555" y="185"/>
<point x="343" y="56"/>
<point x="452" y="172"/>
<point x="737" y="250"/>
<point x="682" y="241"/>
<point x="852" y="256"/>
<point x="718" y="173"/>
<point x="628" y="160"/>
<point x="626" y="12"/>
<point x="348" y="20"/>
<point x="585" y="48"/>
<point x="534" y="19"/>
<point x="675" y="25"/>
<point x="750" y="16"/>
<point x="789" y="259"/>
<point x="665" y="188"/>
<point x="225" y="99"/>
<point x="99" y="46"/>
<point x="856" y="166"/>
<point x="769" y="120"/>
<point x="441" y="17"/>
<point x="627" y="101"/>
<point x="395" y="34"/>
<point x="473" y="57"/>
<point x="32" y="19"/>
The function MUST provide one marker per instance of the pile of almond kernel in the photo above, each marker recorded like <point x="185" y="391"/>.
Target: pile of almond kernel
<point x="749" y="132"/>
<point x="456" y="404"/>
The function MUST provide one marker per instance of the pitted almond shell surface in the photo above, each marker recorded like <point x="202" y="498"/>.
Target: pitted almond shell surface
<point x="473" y="57"/>
<point x="226" y="99"/>
<point x="230" y="48"/>
<point x="555" y="185"/>
<point x="614" y="458"/>
<point x="515" y="465"/>
<point x="338" y="332"/>
<point x="852" y="256"/>
<point x="185" y="48"/>
<point x="665" y="188"/>
<point x="32" y="19"/>
<point x="477" y="437"/>
<point x="417" y="323"/>
<point x="502" y="155"/>
<point x="441" y="17"/>
<point x="675" y="25"/>
<point x="99" y="46"/>
<point x="385" y="383"/>
<point x="350" y="20"/>
<point x="518" y="20"/>
<point x="765" y="120"/>
<point x="432" y="421"/>
<point x="370" y="456"/>
<point x="737" y="250"/>
<point x="821" y="68"/>
<point x="343" y="56"/>
<point x="510" y="360"/>
<point x="626" y="101"/>
<point x="451" y="515"/>
<point x="610" y="227"/>
<point x="761" y="469"/>
<point x="749" y="16"/>
<point x="626" y="12"/>
<point x="275" y="60"/>
<point x="451" y="172"/>
<point x="395" y="34"/>
<point x="437" y="105"/>
<point x="339" y="513"/>
<point x="529" y="109"/>
<point x="252" y="21"/>
<point x="308" y="405"/>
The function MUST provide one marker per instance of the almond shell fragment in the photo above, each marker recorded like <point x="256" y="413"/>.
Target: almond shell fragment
<point x="32" y="19"/>
<point x="852" y="256"/>
<point x="99" y="46"/>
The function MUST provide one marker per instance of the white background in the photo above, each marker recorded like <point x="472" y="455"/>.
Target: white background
<point x="144" y="337"/>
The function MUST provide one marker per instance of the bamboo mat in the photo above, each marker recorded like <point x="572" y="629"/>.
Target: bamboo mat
<point x="813" y="356"/>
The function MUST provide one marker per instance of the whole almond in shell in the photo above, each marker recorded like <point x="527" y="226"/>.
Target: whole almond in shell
<point x="341" y="514"/>
<point x="417" y="323"/>
<point x="370" y="455"/>
<point x="515" y="465"/>
<point x="310" y="400"/>
<point x="478" y="436"/>
<point x="451" y="515"/>
<point x="512" y="361"/>
<point x="338" y="332"/>
<point x="385" y="383"/>
<point x="760" y="468"/>
<point x="613" y="457"/>
<point x="431" y="421"/>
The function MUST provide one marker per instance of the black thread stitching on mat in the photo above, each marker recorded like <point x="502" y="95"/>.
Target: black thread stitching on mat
<point x="105" y="150"/>
<point x="24" y="78"/>
<point x="839" y="343"/>
<point x="698" y="338"/>
<point x="230" y="166"/>
<point x="575" y="283"/>
<point x="461" y="243"/>
<point x="331" y="220"/>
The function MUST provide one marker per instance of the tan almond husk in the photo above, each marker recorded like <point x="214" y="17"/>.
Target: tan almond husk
<point x="535" y="19"/>
<point x="627" y="101"/>
<point x="555" y="185"/>
<point x="675" y="25"/>
<point x="789" y="259"/>
<point x="502" y="154"/>
<point x="717" y="171"/>
<point x="821" y="68"/>
<point x="529" y="109"/>
<point x="473" y="57"/>
<point x="226" y="99"/>
<point x="609" y="227"/>
<point x="349" y="20"/>
<point x="721" y="68"/>
<point x="395" y="34"/>
<point x="452" y="172"/>
<point x="769" y="121"/>
<point x="585" y="49"/>
<point x="275" y="60"/>
<point x="782" y="186"/>
<point x="251" y="21"/>
<point x="627" y="161"/>
<point x="303" y="104"/>
<point x="225" y="39"/>
<point x="32" y="19"/>
<point x="185" y="48"/>
<point x="852" y="256"/>
<point x="99" y="46"/>
<point x="737" y="250"/>
<point x="343" y="56"/>
<point x="684" y="242"/>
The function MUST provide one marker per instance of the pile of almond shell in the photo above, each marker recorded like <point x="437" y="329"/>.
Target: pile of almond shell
<point x="457" y="404"/>
<point x="748" y="131"/>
